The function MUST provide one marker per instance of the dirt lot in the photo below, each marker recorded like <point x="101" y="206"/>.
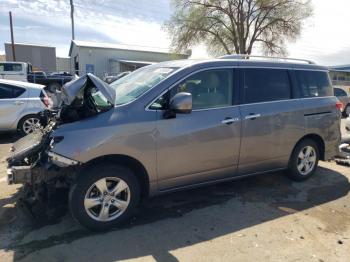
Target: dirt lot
<point x="265" y="218"/>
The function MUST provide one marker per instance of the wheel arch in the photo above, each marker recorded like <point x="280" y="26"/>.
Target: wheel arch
<point x="318" y="140"/>
<point x="136" y="166"/>
<point x="19" y="120"/>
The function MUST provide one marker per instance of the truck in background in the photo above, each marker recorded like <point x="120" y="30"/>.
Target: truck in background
<point x="15" y="70"/>
<point x="22" y="71"/>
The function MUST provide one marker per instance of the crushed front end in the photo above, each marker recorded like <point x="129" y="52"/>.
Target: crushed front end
<point x="46" y="176"/>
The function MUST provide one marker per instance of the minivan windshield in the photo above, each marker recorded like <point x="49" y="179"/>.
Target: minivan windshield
<point x="129" y="87"/>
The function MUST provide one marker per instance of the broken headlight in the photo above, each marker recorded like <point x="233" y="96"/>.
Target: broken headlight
<point x="55" y="140"/>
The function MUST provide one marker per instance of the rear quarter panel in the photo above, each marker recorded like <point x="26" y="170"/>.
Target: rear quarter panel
<point x="323" y="118"/>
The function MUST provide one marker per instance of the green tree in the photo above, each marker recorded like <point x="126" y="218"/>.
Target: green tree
<point x="236" y="26"/>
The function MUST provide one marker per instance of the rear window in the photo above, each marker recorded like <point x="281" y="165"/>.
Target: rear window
<point x="262" y="85"/>
<point x="314" y="83"/>
<point x="339" y="92"/>
<point x="10" y="67"/>
<point x="7" y="91"/>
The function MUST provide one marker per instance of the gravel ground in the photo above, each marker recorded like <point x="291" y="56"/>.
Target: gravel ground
<point x="263" y="218"/>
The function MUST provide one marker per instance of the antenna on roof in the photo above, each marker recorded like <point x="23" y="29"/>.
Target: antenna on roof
<point x="246" y="57"/>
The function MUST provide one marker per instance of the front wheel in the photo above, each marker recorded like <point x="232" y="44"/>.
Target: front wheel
<point x="104" y="196"/>
<point x="304" y="160"/>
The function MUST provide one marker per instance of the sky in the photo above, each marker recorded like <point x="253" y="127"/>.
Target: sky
<point x="325" y="37"/>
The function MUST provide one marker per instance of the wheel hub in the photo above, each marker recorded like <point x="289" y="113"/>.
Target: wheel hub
<point x="107" y="199"/>
<point x="306" y="160"/>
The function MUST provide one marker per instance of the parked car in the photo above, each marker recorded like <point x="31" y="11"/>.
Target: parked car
<point x="344" y="98"/>
<point x="15" y="70"/>
<point x="178" y="125"/>
<point x="111" y="79"/>
<point x="20" y="103"/>
<point x="53" y="81"/>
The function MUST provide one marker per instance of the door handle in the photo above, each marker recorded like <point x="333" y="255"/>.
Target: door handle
<point x="229" y="120"/>
<point x="253" y="116"/>
<point x="18" y="103"/>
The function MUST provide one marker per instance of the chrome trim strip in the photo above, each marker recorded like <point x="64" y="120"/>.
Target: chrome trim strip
<point x="253" y="116"/>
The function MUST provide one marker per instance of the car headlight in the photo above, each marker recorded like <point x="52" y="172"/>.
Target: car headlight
<point x="61" y="161"/>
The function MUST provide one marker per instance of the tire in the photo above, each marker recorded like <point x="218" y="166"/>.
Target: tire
<point x="26" y="124"/>
<point x="297" y="173"/>
<point x="87" y="203"/>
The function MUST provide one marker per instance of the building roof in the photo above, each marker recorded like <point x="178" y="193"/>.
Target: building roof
<point x="30" y="44"/>
<point x="121" y="47"/>
<point x="345" y="68"/>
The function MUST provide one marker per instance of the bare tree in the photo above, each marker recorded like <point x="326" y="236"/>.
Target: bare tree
<point x="236" y="26"/>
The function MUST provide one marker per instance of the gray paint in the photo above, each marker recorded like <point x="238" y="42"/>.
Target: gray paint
<point x="43" y="58"/>
<point x="198" y="148"/>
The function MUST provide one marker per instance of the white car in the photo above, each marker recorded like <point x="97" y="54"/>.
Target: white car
<point x="20" y="103"/>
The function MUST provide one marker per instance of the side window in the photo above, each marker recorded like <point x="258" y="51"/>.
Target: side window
<point x="263" y="85"/>
<point x="12" y="67"/>
<point x="339" y="92"/>
<point x="7" y="91"/>
<point x="314" y="83"/>
<point x="209" y="89"/>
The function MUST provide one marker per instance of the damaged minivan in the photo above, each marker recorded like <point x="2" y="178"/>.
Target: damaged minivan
<point x="176" y="125"/>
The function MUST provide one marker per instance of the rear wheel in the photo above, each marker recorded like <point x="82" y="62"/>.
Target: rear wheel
<point x="28" y="124"/>
<point x="304" y="160"/>
<point x="104" y="196"/>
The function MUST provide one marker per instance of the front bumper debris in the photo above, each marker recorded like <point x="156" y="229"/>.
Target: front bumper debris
<point x="19" y="175"/>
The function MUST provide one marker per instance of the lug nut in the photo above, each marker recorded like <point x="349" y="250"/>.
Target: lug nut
<point x="106" y="205"/>
<point x="105" y="193"/>
<point x="112" y="200"/>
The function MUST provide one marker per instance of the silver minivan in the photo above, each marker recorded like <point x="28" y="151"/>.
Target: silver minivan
<point x="177" y="125"/>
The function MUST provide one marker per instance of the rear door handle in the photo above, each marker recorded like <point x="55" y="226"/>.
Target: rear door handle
<point x="229" y="120"/>
<point x="18" y="103"/>
<point x="253" y="116"/>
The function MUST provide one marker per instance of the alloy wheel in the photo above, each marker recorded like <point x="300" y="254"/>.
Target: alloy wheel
<point x="306" y="160"/>
<point x="107" y="199"/>
<point x="30" y="124"/>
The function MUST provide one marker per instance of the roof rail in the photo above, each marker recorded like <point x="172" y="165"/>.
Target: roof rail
<point x="243" y="57"/>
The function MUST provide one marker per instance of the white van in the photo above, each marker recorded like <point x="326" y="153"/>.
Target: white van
<point x="15" y="70"/>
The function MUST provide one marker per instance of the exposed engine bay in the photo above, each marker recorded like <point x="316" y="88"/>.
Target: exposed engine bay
<point x="46" y="175"/>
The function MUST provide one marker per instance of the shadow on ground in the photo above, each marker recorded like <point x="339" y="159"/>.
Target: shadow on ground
<point x="185" y="218"/>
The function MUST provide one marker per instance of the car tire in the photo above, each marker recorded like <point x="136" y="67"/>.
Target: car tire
<point x="304" y="160"/>
<point x="26" y="124"/>
<point x="97" y="210"/>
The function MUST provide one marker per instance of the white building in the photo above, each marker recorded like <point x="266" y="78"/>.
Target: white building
<point x="101" y="58"/>
<point x="63" y="64"/>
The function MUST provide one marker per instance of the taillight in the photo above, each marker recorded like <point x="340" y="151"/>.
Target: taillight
<point x="45" y="99"/>
<point x="339" y="105"/>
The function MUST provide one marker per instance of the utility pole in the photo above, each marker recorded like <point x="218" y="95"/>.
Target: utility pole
<point x="72" y="17"/>
<point x="12" y="41"/>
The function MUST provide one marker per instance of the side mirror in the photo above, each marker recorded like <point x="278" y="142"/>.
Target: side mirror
<point x="181" y="103"/>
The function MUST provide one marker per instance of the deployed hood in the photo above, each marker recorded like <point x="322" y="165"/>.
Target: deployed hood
<point x="75" y="89"/>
